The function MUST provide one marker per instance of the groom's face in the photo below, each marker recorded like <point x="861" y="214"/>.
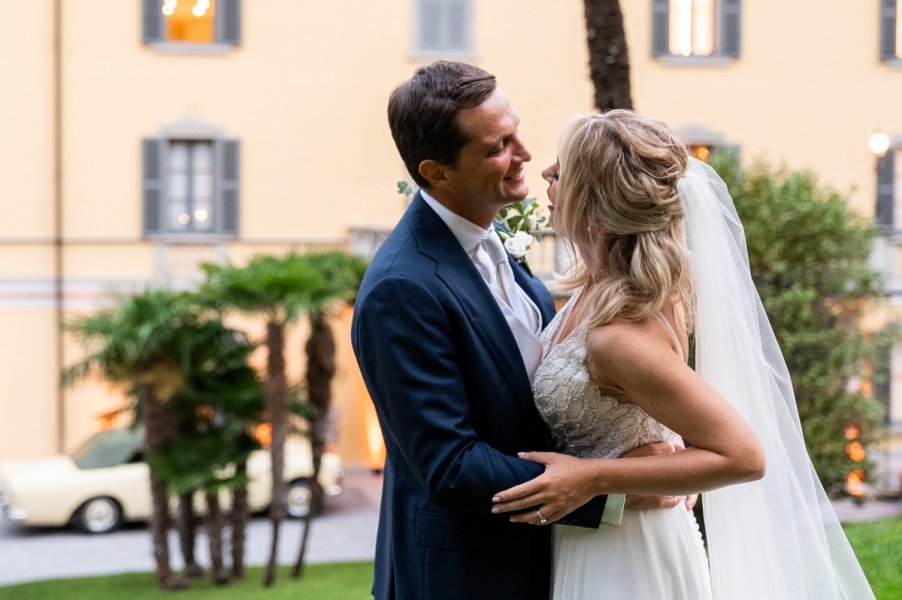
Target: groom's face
<point x="489" y="171"/>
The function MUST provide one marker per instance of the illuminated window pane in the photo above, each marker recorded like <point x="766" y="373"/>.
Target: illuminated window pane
<point x="189" y="206"/>
<point x="692" y="27"/>
<point x="189" y="21"/>
<point x="700" y="152"/>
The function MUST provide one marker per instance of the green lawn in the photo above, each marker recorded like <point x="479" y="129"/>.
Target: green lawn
<point x="878" y="546"/>
<point x="345" y="581"/>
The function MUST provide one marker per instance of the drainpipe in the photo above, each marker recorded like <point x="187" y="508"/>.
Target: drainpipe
<point x="58" y="218"/>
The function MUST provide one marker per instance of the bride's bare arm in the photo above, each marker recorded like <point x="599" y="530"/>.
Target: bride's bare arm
<point x="639" y="362"/>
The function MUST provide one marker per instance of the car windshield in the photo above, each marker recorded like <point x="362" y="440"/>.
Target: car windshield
<point x="109" y="448"/>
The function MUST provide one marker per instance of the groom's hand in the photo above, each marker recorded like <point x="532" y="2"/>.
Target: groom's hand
<point x="651" y="502"/>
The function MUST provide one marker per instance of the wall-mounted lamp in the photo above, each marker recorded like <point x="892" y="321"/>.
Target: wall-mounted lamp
<point x="878" y="144"/>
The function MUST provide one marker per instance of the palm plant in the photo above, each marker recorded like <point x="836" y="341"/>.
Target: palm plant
<point x="279" y="289"/>
<point x="136" y="344"/>
<point x="342" y="276"/>
<point x="219" y="406"/>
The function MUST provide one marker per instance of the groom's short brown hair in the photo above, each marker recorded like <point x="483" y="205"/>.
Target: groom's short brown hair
<point x="422" y="112"/>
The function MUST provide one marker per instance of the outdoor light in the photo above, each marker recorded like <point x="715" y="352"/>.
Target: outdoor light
<point x="878" y="143"/>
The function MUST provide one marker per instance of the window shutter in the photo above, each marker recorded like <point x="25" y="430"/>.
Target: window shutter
<point x="456" y="37"/>
<point x="228" y="185"/>
<point x="153" y="157"/>
<point x="888" y="50"/>
<point x="228" y="22"/>
<point x="152" y="21"/>
<point x="730" y="23"/>
<point x="885" y="202"/>
<point x="430" y="25"/>
<point x="660" y="28"/>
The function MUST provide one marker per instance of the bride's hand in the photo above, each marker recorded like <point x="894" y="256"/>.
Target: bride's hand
<point x="561" y="489"/>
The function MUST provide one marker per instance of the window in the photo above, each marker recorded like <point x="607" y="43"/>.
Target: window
<point x="704" y="142"/>
<point x="192" y="22"/>
<point x="443" y="26"/>
<point x="695" y="28"/>
<point x="190" y="187"/>
<point x="889" y="190"/>
<point x="890" y="30"/>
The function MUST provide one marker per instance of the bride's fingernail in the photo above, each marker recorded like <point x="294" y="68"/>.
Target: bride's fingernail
<point x="521" y="453"/>
<point x="496" y="499"/>
<point x="495" y="510"/>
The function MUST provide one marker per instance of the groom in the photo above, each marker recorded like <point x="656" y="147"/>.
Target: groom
<point x="445" y="331"/>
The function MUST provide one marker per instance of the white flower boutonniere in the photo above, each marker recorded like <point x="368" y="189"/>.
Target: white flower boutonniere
<point x="521" y="224"/>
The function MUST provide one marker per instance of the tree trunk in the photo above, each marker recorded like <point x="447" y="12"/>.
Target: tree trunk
<point x="213" y="522"/>
<point x="160" y="427"/>
<point x="609" y="63"/>
<point x="239" y="517"/>
<point x="320" y="350"/>
<point x="275" y="390"/>
<point x="187" y="526"/>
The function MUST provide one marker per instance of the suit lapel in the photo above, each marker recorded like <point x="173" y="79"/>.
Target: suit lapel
<point x="457" y="271"/>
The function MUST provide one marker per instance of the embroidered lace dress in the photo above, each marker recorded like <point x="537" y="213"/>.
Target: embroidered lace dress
<point x="652" y="554"/>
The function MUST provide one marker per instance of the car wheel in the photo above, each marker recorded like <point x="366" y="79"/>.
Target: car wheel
<point x="98" y="515"/>
<point x="301" y="496"/>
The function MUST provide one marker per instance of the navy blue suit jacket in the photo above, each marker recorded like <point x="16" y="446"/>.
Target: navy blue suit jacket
<point x="455" y="405"/>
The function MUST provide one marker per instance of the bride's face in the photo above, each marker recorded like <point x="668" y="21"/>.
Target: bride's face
<point x="551" y="175"/>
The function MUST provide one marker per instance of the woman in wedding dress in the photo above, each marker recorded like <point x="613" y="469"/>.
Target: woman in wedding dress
<point x="662" y="253"/>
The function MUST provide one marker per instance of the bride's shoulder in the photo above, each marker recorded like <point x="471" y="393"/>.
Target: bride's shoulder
<point x="627" y="348"/>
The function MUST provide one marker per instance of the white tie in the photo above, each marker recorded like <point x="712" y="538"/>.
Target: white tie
<point x="492" y="262"/>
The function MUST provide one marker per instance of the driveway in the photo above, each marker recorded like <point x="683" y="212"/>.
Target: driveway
<point x="346" y="531"/>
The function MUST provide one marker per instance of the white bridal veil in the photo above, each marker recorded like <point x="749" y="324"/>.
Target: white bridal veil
<point x="777" y="538"/>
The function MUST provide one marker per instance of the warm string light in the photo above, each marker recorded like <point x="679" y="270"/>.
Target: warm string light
<point x="857" y="453"/>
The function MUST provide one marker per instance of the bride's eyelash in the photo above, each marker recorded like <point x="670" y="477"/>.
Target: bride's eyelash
<point x="556" y="174"/>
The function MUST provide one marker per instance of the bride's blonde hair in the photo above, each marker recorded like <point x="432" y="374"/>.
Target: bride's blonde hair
<point x="617" y="203"/>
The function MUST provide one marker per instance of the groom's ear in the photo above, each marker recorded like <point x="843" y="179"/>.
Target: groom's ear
<point x="433" y="172"/>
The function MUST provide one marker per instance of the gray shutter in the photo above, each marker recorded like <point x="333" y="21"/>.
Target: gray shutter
<point x="888" y="50"/>
<point x="152" y="21"/>
<point x="153" y="183"/>
<point x="456" y="24"/>
<point x="430" y="25"/>
<point x="228" y="22"/>
<point x="885" y="201"/>
<point x="228" y="185"/>
<point x="660" y="28"/>
<point x="730" y="19"/>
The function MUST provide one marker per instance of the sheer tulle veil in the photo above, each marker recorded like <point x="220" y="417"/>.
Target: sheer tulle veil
<point x="776" y="538"/>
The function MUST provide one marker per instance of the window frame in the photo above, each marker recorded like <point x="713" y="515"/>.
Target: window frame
<point x="226" y="207"/>
<point x="227" y="29"/>
<point x="727" y="35"/>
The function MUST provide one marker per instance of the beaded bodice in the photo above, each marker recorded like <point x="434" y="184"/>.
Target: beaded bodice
<point x="584" y="421"/>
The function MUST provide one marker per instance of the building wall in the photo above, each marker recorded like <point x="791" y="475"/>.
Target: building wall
<point x="305" y="92"/>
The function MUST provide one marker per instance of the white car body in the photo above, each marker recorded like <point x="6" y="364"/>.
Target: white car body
<point x="50" y="491"/>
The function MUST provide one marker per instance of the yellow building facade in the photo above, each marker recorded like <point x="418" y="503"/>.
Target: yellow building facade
<point x="140" y="138"/>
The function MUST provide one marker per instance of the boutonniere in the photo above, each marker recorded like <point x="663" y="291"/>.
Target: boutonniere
<point x="521" y="224"/>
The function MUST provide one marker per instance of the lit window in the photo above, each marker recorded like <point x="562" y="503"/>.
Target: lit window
<point x="189" y="21"/>
<point x="190" y="186"/>
<point x="692" y="27"/>
<point x="192" y="22"/>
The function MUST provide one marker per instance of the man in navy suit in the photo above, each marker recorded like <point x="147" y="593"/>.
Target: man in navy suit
<point x="447" y="346"/>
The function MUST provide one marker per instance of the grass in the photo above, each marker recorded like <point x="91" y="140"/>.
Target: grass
<point x="344" y="581"/>
<point x="878" y="545"/>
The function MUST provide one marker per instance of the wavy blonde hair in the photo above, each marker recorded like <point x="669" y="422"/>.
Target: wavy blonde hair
<point x="618" y="205"/>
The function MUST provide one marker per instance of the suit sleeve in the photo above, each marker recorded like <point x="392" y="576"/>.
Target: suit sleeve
<point x="406" y="351"/>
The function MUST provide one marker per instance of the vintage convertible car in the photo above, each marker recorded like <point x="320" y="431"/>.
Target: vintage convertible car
<point x="106" y="482"/>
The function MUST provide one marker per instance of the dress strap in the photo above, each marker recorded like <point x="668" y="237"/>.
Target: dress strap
<point x="673" y="336"/>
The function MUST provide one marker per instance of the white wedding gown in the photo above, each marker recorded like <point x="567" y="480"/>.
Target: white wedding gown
<point x="652" y="554"/>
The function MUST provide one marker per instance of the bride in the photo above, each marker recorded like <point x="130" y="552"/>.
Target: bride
<point x="662" y="253"/>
